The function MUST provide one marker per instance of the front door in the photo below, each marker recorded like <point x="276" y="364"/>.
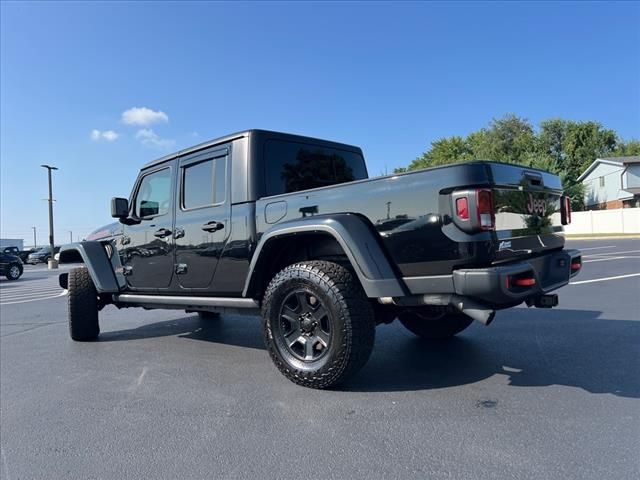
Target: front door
<point x="203" y="214"/>
<point x="146" y="247"/>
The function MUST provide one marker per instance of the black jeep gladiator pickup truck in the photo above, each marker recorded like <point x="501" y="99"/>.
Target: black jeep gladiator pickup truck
<point x="292" y="227"/>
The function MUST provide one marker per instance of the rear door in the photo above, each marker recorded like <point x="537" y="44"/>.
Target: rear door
<point x="203" y="214"/>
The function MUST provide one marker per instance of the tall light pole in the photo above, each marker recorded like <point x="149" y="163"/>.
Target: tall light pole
<point x="52" y="260"/>
<point x="70" y="236"/>
<point x="34" y="237"/>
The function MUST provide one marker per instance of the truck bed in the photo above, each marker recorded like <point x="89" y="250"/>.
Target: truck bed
<point x="412" y="213"/>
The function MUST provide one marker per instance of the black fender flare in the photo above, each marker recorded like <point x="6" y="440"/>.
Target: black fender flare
<point x="356" y="238"/>
<point x="101" y="268"/>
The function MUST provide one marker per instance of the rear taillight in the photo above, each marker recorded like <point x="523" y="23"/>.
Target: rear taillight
<point x="474" y="209"/>
<point x="462" y="208"/>
<point x="566" y="210"/>
<point x="484" y="203"/>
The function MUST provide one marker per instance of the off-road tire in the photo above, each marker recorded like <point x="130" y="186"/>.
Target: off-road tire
<point x="433" y="327"/>
<point x="83" y="306"/>
<point x="348" y="310"/>
<point x="14" y="272"/>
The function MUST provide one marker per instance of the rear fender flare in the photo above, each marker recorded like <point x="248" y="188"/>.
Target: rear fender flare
<point x="356" y="238"/>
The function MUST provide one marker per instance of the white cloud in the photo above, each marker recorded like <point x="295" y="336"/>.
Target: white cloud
<point x="150" y="138"/>
<point x="108" y="135"/>
<point x="143" y="116"/>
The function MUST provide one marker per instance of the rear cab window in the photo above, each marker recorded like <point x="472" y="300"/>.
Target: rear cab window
<point x="292" y="166"/>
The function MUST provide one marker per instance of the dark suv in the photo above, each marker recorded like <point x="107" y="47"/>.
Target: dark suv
<point x="10" y="266"/>
<point x="41" y="255"/>
<point x="291" y="227"/>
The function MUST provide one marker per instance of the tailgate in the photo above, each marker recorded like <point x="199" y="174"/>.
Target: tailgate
<point x="527" y="207"/>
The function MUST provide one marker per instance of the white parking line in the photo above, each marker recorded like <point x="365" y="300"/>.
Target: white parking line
<point x="610" y="253"/>
<point x="597" y="248"/>
<point x="25" y="291"/>
<point x="609" y="258"/>
<point x="20" y="296"/>
<point x="22" y="289"/>
<point x="605" y="279"/>
<point x="35" y="299"/>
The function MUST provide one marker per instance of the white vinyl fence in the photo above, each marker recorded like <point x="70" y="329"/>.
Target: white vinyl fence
<point x="621" y="220"/>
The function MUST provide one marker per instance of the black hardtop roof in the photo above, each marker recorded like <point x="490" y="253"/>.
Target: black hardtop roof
<point x="248" y="133"/>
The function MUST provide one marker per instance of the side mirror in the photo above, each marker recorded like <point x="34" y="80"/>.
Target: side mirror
<point x="119" y="207"/>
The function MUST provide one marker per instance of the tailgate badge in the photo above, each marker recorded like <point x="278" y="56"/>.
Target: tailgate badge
<point x="504" y="245"/>
<point x="537" y="206"/>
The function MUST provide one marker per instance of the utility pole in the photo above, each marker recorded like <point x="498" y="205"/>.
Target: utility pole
<point x="52" y="261"/>
<point x="35" y="245"/>
<point x="70" y="236"/>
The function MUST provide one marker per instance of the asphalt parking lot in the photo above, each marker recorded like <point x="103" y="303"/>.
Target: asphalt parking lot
<point x="539" y="394"/>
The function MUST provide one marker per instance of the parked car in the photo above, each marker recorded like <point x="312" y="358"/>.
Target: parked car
<point x="11" y="250"/>
<point x="291" y="227"/>
<point x="42" y="255"/>
<point x="23" y="254"/>
<point x="10" y="266"/>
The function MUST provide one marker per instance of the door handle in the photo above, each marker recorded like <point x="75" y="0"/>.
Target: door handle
<point x="212" y="226"/>
<point x="163" y="232"/>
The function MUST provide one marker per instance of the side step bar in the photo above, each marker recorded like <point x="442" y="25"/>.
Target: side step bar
<point x="180" y="302"/>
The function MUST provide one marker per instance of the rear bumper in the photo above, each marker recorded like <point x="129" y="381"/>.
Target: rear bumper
<point x="495" y="286"/>
<point x="498" y="287"/>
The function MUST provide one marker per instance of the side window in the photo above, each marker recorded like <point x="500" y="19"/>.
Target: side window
<point x="203" y="183"/>
<point x="154" y="195"/>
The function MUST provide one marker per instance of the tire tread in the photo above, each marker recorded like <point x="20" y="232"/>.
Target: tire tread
<point x="358" y="326"/>
<point x="83" y="306"/>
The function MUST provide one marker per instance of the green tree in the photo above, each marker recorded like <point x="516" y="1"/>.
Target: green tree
<point x="508" y="139"/>
<point x="552" y="138"/>
<point x="624" y="149"/>
<point x="564" y="147"/>
<point x="442" y="152"/>
<point x="585" y="142"/>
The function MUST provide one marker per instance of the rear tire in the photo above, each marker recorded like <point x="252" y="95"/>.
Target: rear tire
<point x="83" y="306"/>
<point x="318" y="323"/>
<point x="425" y="324"/>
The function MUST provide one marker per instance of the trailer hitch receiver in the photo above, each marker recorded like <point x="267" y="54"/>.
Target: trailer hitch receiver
<point x="549" y="300"/>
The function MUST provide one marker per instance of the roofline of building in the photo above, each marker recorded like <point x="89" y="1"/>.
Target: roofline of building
<point x="597" y="162"/>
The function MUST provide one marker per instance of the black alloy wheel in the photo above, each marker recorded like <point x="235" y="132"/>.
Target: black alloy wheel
<point x="304" y="325"/>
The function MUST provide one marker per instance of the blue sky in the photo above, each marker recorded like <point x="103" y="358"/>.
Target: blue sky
<point x="390" y="77"/>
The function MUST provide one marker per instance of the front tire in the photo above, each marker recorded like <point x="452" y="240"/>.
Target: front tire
<point x="425" y="324"/>
<point x="318" y="323"/>
<point x="83" y="306"/>
<point x="14" y="272"/>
